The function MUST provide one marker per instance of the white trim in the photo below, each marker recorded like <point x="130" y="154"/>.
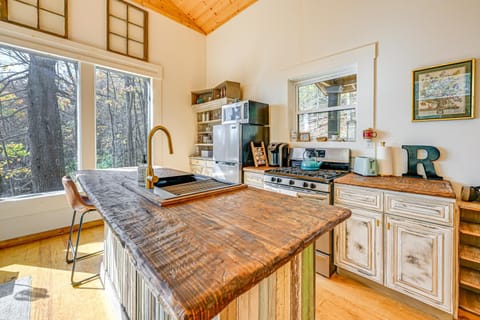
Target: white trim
<point x="30" y="39"/>
<point x="86" y="117"/>
<point x="363" y="59"/>
<point x="328" y="109"/>
<point x="328" y="75"/>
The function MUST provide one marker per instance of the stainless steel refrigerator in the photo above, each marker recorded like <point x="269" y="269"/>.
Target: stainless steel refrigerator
<point x="231" y="148"/>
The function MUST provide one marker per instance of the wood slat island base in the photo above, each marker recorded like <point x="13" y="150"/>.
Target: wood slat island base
<point x="286" y="294"/>
<point x="243" y="254"/>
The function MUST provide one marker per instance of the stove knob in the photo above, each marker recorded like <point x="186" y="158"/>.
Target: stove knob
<point x="291" y="182"/>
<point x="313" y="185"/>
<point x="279" y="180"/>
<point x="305" y="185"/>
<point x="273" y="179"/>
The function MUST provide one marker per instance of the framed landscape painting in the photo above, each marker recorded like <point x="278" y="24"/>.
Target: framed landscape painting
<point x="444" y="92"/>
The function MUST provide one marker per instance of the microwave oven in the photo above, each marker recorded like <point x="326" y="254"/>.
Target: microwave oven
<point x="247" y="111"/>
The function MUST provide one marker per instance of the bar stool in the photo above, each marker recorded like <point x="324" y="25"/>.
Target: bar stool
<point x="82" y="206"/>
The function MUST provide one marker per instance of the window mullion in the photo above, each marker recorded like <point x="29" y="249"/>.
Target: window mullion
<point x="329" y="109"/>
<point x="86" y="112"/>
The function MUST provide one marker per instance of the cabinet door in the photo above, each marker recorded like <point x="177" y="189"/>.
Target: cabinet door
<point x="358" y="244"/>
<point x="419" y="260"/>
<point x="196" y="169"/>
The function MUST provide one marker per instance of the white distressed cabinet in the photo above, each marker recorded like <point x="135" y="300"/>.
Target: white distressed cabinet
<point x="401" y="240"/>
<point x="359" y="244"/>
<point x="419" y="260"/>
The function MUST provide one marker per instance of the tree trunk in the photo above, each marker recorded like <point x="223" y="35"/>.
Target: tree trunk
<point x="44" y="126"/>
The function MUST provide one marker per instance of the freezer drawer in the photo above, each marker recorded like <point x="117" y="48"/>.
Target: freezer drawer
<point x="227" y="171"/>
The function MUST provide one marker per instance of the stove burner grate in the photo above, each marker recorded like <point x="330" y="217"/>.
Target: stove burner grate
<point x="297" y="172"/>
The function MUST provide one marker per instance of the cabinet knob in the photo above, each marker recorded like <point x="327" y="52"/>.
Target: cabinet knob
<point x="388" y="226"/>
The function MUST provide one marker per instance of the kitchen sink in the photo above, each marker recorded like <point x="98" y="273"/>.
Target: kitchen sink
<point x="176" y="186"/>
<point x="188" y="185"/>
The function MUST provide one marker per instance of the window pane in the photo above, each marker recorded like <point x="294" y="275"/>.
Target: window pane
<point x="122" y="118"/>
<point x="317" y="97"/>
<point x="38" y="121"/>
<point x="327" y="93"/>
<point x="333" y="124"/>
<point x="311" y="98"/>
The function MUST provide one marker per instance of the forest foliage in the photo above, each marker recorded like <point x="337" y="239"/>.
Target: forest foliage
<point x="39" y="120"/>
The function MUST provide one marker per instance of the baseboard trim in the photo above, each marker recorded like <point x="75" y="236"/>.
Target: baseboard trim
<point x="46" y="234"/>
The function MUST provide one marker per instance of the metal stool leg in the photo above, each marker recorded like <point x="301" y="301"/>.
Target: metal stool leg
<point x="69" y="243"/>
<point x="75" y="254"/>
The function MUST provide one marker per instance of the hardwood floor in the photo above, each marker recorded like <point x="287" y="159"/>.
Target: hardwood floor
<point x="54" y="297"/>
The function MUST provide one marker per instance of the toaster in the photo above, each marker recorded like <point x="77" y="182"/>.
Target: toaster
<point x="365" y="166"/>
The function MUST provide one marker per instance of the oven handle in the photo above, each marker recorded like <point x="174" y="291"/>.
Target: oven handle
<point x="312" y="196"/>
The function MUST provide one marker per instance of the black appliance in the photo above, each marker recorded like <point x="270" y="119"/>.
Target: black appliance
<point x="247" y="111"/>
<point x="277" y="154"/>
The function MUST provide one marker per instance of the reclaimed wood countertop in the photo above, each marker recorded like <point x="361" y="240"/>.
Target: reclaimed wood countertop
<point x="261" y="169"/>
<point x="200" y="255"/>
<point x="437" y="188"/>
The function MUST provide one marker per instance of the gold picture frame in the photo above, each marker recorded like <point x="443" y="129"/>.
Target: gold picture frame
<point x="444" y="92"/>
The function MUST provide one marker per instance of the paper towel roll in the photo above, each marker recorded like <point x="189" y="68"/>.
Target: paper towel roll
<point x="384" y="160"/>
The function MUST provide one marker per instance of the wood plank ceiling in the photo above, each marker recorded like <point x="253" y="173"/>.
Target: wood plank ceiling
<point x="203" y="16"/>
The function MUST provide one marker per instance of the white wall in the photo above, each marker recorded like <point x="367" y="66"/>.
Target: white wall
<point x="259" y="46"/>
<point x="181" y="53"/>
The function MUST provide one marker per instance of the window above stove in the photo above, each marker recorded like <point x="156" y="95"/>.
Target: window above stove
<point x="331" y="99"/>
<point x="326" y="107"/>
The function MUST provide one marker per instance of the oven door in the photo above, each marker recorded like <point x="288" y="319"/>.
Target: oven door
<point x="324" y="245"/>
<point x="325" y="242"/>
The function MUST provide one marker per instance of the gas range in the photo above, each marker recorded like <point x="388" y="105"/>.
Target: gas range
<point x="335" y="163"/>
<point x="312" y="185"/>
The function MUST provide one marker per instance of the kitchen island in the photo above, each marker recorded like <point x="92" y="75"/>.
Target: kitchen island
<point x="242" y="254"/>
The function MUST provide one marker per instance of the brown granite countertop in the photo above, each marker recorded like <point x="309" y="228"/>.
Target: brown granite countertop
<point x="438" y="188"/>
<point x="200" y="255"/>
<point x="262" y="169"/>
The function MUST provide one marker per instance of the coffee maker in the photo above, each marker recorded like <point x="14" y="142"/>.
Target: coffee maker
<point x="277" y="154"/>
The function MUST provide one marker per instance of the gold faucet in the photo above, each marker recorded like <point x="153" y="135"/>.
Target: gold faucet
<point x="151" y="178"/>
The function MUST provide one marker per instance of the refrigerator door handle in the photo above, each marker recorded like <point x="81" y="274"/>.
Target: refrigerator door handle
<point x="226" y="163"/>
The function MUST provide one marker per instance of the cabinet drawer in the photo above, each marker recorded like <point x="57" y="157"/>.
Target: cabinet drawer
<point x="426" y="208"/>
<point x="253" y="179"/>
<point x="210" y="163"/>
<point x="360" y="197"/>
<point x="197" y="162"/>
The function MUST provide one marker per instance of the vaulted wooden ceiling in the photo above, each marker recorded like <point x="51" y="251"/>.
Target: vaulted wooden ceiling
<point x="203" y="16"/>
